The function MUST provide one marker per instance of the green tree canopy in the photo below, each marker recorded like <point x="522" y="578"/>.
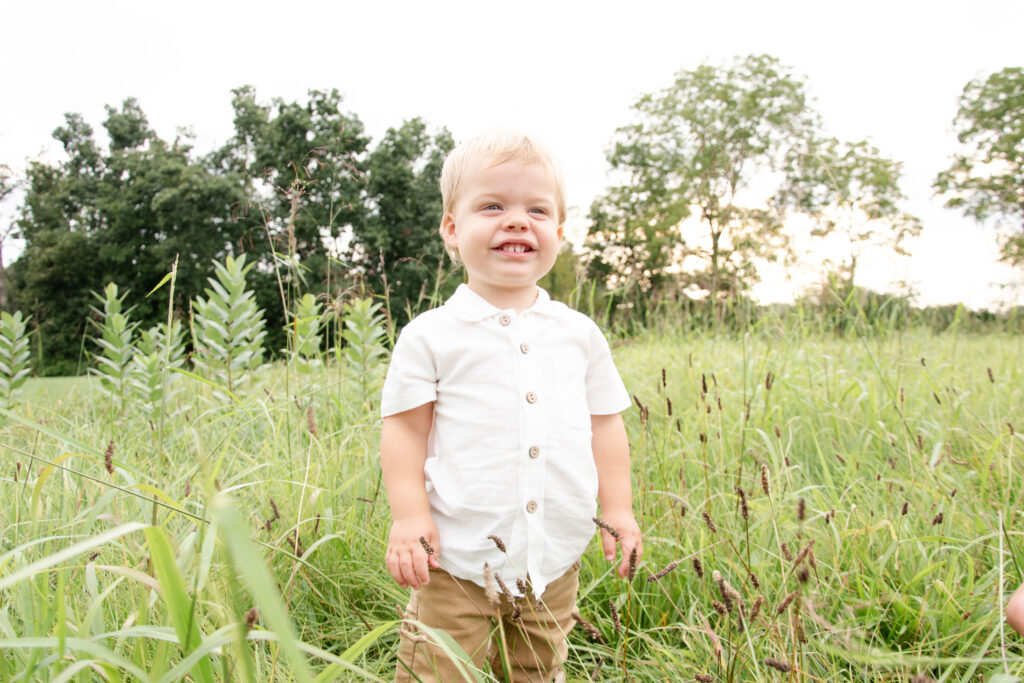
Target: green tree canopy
<point x="398" y="240"/>
<point x="116" y="215"/>
<point x="708" y="172"/>
<point x="695" y="146"/>
<point x="986" y="180"/>
<point x="851" y="189"/>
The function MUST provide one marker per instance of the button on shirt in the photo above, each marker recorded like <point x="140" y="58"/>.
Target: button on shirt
<point x="509" y="453"/>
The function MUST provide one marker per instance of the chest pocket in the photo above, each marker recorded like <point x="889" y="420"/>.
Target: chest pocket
<point x="571" y="380"/>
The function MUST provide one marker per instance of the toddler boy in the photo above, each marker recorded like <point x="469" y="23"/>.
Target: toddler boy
<point x="501" y="427"/>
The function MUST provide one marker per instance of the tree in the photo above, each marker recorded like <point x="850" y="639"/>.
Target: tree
<point x="8" y="185"/>
<point x="695" y="147"/>
<point x="850" y="189"/>
<point x="398" y="239"/>
<point x="986" y="180"/>
<point x="117" y="215"/>
<point x="303" y="165"/>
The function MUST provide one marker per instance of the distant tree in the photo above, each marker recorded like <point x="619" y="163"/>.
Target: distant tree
<point x="8" y="184"/>
<point x="986" y="180"/>
<point x="849" y="189"/>
<point x="398" y="239"/>
<point x="303" y="164"/>
<point x="116" y="215"/>
<point x="695" y="147"/>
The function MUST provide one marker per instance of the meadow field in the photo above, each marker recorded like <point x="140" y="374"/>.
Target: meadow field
<point x="815" y="507"/>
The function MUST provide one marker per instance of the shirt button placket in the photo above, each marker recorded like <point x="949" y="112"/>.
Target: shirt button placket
<point x="536" y="407"/>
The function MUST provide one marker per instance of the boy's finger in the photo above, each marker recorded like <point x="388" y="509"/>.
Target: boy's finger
<point x="608" y="545"/>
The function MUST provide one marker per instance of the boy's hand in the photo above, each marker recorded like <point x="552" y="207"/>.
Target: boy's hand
<point x="406" y="558"/>
<point x="629" y="538"/>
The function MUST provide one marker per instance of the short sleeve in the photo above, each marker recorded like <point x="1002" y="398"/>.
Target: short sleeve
<point x="606" y="394"/>
<point x="412" y="376"/>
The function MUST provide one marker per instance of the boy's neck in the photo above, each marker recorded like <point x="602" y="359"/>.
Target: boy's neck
<point x="516" y="299"/>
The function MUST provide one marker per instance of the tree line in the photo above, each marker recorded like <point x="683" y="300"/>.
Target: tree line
<point x="703" y="181"/>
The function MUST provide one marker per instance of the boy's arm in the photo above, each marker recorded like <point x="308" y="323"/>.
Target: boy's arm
<point x="403" y="450"/>
<point x="615" y="492"/>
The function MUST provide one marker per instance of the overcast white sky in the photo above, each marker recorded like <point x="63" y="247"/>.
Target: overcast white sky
<point x="890" y="71"/>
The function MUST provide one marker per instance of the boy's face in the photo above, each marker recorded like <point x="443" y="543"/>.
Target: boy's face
<point x="505" y="228"/>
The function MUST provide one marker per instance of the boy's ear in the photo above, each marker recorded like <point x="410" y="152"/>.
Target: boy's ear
<point x="561" y="230"/>
<point x="448" y="231"/>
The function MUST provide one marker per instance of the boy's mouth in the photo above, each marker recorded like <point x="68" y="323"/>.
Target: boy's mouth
<point x="514" y="248"/>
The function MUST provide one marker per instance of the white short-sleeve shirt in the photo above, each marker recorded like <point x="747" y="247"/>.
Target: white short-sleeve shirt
<point x="509" y="452"/>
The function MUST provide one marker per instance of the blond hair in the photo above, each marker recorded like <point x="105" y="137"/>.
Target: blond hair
<point x="494" y="148"/>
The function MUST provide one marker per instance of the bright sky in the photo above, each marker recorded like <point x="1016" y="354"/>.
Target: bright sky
<point x="887" y="70"/>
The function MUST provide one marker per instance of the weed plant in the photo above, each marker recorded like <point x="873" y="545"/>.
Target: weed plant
<point x="816" y="506"/>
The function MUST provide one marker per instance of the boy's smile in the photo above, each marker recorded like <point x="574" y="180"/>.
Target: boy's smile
<point x="505" y="228"/>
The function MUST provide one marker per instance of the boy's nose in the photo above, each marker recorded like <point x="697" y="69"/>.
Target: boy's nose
<point x="517" y="221"/>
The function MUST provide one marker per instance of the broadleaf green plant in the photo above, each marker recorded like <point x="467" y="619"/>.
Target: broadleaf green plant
<point x="14" y="355"/>
<point x="115" y="338"/>
<point x="228" y="326"/>
<point x="304" y="333"/>
<point x="147" y="376"/>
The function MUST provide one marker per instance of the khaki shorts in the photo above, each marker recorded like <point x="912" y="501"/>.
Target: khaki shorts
<point x="521" y="645"/>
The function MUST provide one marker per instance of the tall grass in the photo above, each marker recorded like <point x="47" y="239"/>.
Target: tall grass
<point x="861" y="492"/>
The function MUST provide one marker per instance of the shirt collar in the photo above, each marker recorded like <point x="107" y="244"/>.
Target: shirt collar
<point x="468" y="306"/>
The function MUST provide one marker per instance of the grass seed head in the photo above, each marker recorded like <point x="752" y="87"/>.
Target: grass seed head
<point x="108" y="457"/>
<point x="786" y="552"/>
<point x="310" y="420"/>
<point x="521" y="585"/>
<point x="991" y="377"/>
<point x="251" y="617"/>
<point x="616" y="624"/>
<point x="801" y="509"/>
<point x="756" y="609"/>
<point x="490" y="589"/>
<point x="631" y="571"/>
<point x="498" y="542"/>
<point x="607" y="527"/>
<point x="588" y="628"/>
<point x="710" y="523"/>
<point x="785" y="603"/>
<point x="937" y="519"/>
<point x="668" y="568"/>
<point x="744" y="510"/>
<point x="764" y="480"/>
<point x="777" y="664"/>
<point x="704" y="678"/>
<point x="427" y="548"/>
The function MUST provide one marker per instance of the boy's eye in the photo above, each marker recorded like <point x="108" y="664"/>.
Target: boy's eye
<point x="492" y="207"/>
<point x="539" y="209"/>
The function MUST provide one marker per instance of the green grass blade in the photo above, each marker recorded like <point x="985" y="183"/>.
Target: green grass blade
<point x="257" y="577"/>
<point x="176" y="598"/>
